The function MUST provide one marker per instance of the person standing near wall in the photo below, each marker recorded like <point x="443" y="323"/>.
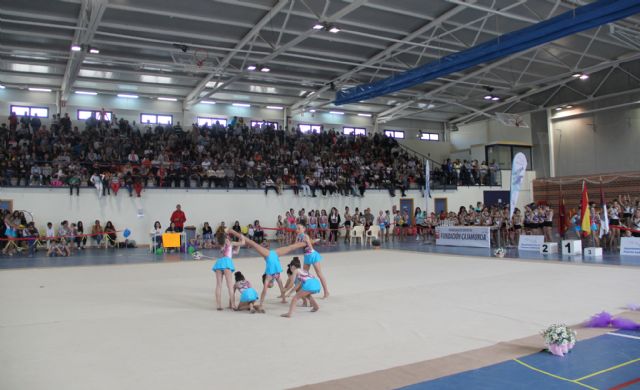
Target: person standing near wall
<point x="178" y="218"/>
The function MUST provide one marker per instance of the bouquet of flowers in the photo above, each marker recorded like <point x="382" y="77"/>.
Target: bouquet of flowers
<point x="559" y="339"/>
<point x="500" y="252"/>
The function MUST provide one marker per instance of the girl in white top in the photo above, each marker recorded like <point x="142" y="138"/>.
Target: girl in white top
<point x="97" y="182"/>
<point x="50" y="233"/>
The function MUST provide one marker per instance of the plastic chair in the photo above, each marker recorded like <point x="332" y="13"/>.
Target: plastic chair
<point x="155" y="243"/>
<point x="372" y="233"/>
<point x="357" y="232"/>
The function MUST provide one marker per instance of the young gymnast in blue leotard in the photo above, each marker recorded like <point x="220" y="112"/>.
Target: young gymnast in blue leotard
<point x="305" y="286"/>
<point x="224" y="268"/>
<point x="311" y="257"/>
<point x="248" y="295"/>
<point x="272" y="262"/>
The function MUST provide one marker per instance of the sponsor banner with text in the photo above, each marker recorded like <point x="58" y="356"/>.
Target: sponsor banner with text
<point x="478" y="237"/>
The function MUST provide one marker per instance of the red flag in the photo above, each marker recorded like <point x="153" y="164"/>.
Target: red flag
<point x="562" y="216"/>
<point x="585" y="213"/>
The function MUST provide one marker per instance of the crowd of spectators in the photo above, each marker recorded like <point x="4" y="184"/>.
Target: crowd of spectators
<point x="110" y="155"/>
<point x="20" y="235"/>
<point x="468" y="173"/>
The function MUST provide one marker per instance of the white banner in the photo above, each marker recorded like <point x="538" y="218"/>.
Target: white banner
<point x="518" y="169"/>
<point x="478" y="237"/>
<point x="630" y="246"/>
<point x="530" y="243"/>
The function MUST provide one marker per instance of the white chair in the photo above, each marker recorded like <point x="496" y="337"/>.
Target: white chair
<point x="372" y="233"/>
<point x="154" y="245"/>
<point x="357" y="232"/>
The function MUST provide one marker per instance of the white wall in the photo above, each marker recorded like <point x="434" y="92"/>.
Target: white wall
<point x="475" y="152"/>
<point x="599" y="142"/>
<point x="489" y="131"/>
<point x="212" y="206"/>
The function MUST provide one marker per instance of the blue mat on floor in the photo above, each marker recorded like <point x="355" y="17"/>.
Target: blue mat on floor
<point x="504" y="376"/>
<point x="601" y="362"/>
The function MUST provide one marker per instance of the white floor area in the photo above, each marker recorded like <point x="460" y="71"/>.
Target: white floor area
<point x="154" y="326"/>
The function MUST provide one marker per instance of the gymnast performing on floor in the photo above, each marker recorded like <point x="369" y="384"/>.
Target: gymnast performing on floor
<point x="311" y="256"/>
<point x="224" y="268"/>
<point x="272" y="262"/>
<point x="304" y="284"/>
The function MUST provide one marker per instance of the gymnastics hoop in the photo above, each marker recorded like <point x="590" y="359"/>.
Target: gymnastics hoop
<point x="27" y="215"/>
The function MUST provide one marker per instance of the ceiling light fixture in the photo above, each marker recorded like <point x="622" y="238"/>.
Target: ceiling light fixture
<point x="207" y="102"/>
<point x="251" y="67"/>
<point x="265" y="69"/>
<point x="336" y="112"/>
<point x="584" y="77"/>
<point x="39" y="90"/>
<point x="567" y="107"/>
<point x="2" y="86"/>
<point x="127" y="96"/>
<point x="76" y="48"/>
<point x="365" y="115"/>
<point x="312" y="110"/>
<point x="93" y="50"/>
<point x="324" y="26"/>
<point x="167" y="99"/>
<point x="491" y="97"/>
<point x="275" y="107"/>
<point x="241" y="105"/>
<point x="86" y="93"/>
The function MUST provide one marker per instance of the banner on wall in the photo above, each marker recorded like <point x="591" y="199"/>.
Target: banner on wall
<point x="518" y="169"/>
<point x="630" y="246"/>
<point x="477" y="237"/>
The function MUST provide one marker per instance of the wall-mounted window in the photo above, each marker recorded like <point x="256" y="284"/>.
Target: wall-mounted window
<point x="399" y="134"/>
<point x="262" y="124"/>
<point x="354" y="131"/>
<point x="309" y="128"/>
<point x="86" y="114"/>
<point x="156" y="119"/>
<point x="503" y="155"/>
<point x="41" y="112"/>
<point x="210" y="122"/>
<point x="426" y="136"/>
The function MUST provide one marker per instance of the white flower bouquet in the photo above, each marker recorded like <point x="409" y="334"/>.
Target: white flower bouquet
<point x="559" y="339"/>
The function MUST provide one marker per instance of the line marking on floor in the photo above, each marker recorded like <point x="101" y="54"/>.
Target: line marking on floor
<point x="624" y="335"/>
<point x="608" y="369"/>
<point x="626" y="384"/>
<point x="553" y="375"/>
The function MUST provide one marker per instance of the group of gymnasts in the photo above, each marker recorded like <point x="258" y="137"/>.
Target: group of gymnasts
<point x="299" y="280"/>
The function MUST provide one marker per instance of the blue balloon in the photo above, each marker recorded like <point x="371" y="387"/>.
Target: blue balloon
<point x="126" y="233"/>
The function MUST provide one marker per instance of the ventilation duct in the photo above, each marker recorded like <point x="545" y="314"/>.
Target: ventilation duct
<point x="571" y="22"/>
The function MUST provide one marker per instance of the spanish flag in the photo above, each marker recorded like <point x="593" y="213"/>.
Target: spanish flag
<point x="585" y="216"/>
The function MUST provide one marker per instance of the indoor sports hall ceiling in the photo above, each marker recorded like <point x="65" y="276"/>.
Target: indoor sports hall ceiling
<point x="152" y="48"/>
